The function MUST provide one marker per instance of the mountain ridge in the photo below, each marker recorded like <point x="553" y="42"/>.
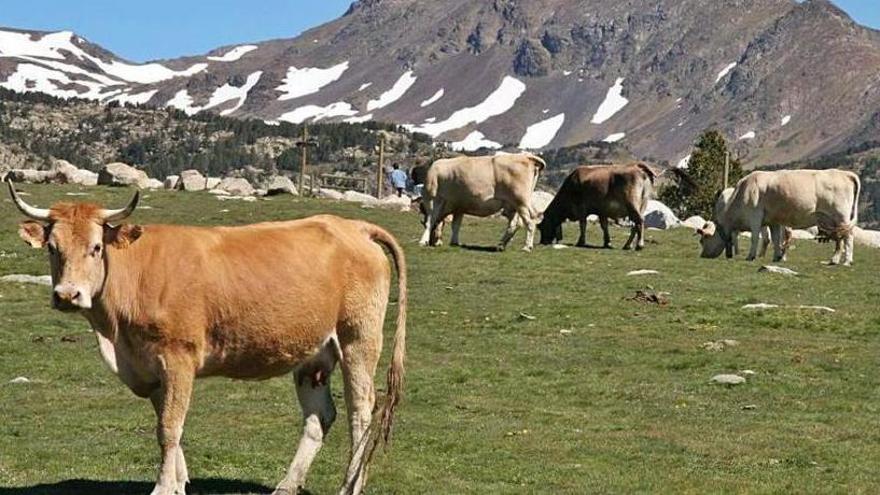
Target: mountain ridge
<point x="785" y="81"/>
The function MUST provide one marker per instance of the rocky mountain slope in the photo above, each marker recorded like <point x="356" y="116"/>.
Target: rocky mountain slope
<point x="785" y="80"/>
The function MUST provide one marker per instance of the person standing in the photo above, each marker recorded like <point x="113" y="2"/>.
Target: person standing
<point x="398" y="179"/>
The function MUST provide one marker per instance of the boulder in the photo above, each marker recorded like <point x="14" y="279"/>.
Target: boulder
<point x="659" y="216"/>
<point x="541" y="200"/>
<point x="728" y="379"/>
<point x="236" y="186"/>
<point x="171" y="182"/>
<point x="279" y="184"/>
<point x="802" y="234"/>
<point x="121" y="174"/>
<point x="695" y="222"/>
<point x="27" y="279"/>
<point x="29" y="176"/>
<point x="359" y="197"/>
<point x="154" y="184"/>
<point x="191" y="180"/>
<point x="395" y="202"/>
<point x="67" y="173"/>
<point x="870" y="238"/>
<point x="328" y="194"/>
<point x="212" y="182"/>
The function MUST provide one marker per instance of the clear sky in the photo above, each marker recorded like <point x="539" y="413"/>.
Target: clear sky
<point x="141" y="30"/>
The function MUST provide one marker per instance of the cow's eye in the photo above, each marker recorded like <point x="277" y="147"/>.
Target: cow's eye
<point x="96" y="250"/>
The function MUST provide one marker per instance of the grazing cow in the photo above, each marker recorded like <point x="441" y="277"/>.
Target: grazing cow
<point x="481" y="186"/>
<point x="798" y="199"/>
<point x="171" y="303"/>
<point x="721" y="203"/>
<point x="609" y="191"/>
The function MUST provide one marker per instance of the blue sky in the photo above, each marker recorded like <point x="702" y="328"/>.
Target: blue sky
<point x="142" y="30"/>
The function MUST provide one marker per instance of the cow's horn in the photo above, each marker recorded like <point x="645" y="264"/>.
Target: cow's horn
<point x="111" y="216"/>
<point x="29" y="211"/>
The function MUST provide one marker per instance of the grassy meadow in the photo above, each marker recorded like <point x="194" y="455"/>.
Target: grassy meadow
<point x="527" y="373"/>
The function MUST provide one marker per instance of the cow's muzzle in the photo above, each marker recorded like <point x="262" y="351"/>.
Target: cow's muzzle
<point x="67" y="297"/>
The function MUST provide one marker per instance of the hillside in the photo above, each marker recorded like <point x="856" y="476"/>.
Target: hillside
<point x="792" y="80"/>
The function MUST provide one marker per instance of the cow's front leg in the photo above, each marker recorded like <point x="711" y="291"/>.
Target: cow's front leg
<point x="172" y="403"/>
<point x="510" y="231"/>
<point x="456" y="228"/>
<point x="848" y="249"/>
<point x="838" y="252"/>
<point x="435" y="226"/>
<point x="755" y="240"/>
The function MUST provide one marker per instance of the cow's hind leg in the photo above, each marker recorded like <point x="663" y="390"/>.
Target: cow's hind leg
<point x="312" y="380"/>
<point x="361" y="342"/>
<point x="528" y="217"/>
<point x="510" y="231"/>
<point x="848" y="249"/>
<point x="606" y="235"/>
<point x="456" y="228"/>
<point x="776" y="234"/>
<point x="582" y="239"/>
<point x="172" y="401"/>
<point x="838" y="251"/>
<point x="637" y="232"/>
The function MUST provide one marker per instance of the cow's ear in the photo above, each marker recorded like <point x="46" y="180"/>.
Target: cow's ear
<point x="33" y="233"/>
<point x="122" y="236"/>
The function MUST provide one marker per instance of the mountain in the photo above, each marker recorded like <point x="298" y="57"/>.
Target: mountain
<point x="785" y="80"/>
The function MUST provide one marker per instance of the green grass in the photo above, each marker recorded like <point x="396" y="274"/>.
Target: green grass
<point x="494" y="403"/>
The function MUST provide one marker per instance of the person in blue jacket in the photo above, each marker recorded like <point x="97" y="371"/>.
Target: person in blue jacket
<point x="398" y="179"/>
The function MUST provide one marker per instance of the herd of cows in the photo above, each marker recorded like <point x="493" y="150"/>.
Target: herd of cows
<point x="170" y="304"/>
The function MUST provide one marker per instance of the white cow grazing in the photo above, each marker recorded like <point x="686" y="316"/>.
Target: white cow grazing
<point x="798" y="199"/>
<point x="481" y="186"/>
<point x="721" y="204"/>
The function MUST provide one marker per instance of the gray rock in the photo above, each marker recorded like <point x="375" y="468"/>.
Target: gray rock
<point x="212" y="182"/>
<point x="121" y="174"/>
<point x="236" y="186"/>
<point x="328" y="194"/>
<point x="778" y="269"/>
<point x="171" y="182"/>
<point x="154" y="184"/>
<point x="67" y="173"/>
<point x="760" y="306"/>
<point x="659" y="216"/>
<point x="191" y="181"/>
<point x="28" y="279"/>
<point x="19" y="380"/>
<point x="279" y="184"/>
<point x="541" y="200"/>
<point x="726" y="379"/>
<point x="395" y="202"/>
<point x="805" y="235"/>
<point x="642" y="272"/>
<point x="359" y="197"/>
<point x="28" y="176"/>
<point x="695" y="222"/>
<point x="870" y="238"/>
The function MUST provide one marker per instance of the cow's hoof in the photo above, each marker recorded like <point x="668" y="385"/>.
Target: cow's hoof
<point x="607" y="246"/>
<point x="627" y="248"/>
<point x="639" y="248"/>
<point x="500" y="248"/>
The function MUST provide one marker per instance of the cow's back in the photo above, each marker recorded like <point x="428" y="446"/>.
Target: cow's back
<point x="481" y="186"/>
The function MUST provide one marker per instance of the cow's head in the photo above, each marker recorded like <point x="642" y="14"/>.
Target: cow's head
<point x="711" y="240"/>
<point x="550" y="228"/>
<point x="75" y="235"/>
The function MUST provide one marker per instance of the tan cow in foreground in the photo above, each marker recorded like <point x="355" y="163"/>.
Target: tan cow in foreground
<point x="724" y="198"/>
<point x="799" y="199"/>
<point x="481" y="186"/>
<point x="609" y="191"/>
<point x="170" y="304"/>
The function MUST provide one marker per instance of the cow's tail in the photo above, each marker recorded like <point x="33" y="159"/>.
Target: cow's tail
<point x="854" y="216"/>
<point x="540" y="165"/>
<point x="398" y="352"/>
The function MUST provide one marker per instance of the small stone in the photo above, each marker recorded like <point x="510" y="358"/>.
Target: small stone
<point x="825" y="309"/>
<point x="526" y="316"/>
<point x="560" y="246"/>
<point x="643" y="272"/>
<point x="749" y="407"/>
<point x="778" y="269"/>
<point x="727" y="379"/>
<point x="20" y="379"/>
<point x="565" y="332"/>
<point x="760" y="306"/>
<point x="28" y="279"/>
<point x="748" y="372"/>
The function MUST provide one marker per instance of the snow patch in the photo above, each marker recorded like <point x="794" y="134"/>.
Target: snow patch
<point x="473" y="142"/>
<point x="725" y="71"/>
<point x="684" y="162"/>
<point x="431" y="120"/>
<point x="542" y="133"/>
<point x="183" y="101"/>
<point x="227" y="92"/>
<point x="748" y="135"/>
<point x="29" y="78"/>
<point x="400" y="87"/>
<point x="786" y="120"/>
<point x="234" y="54"/>
<point x="613" y="138"/>
<point x="439" y="94"/>
<point x="365" y="86"/>
<point x="358" y="120"/>
<point x="614" y="102"/>
<point x="301" y="114"/>
<point x="135" y="99"/>
<point x="500" y="101"/>
<point x="566" y="73"/>
<point x="308" y="80"/>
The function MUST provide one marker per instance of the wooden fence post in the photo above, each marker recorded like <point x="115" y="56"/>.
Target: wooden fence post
<point x="380" y="172"/>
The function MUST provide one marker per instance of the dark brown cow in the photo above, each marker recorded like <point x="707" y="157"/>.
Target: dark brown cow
<point x="609" y="191"/>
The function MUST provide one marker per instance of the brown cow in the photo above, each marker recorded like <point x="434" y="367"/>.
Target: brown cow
<point x="171" y="303"/>
<point x="609" y="191"/>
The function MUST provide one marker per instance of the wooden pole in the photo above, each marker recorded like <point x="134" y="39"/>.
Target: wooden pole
<point x="304" y="148"/>
<point x="726" y="169"/>
<point x="380" y="172"/>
